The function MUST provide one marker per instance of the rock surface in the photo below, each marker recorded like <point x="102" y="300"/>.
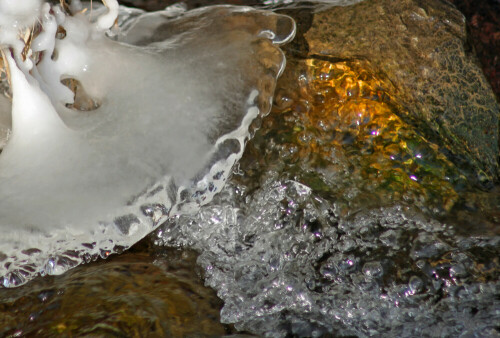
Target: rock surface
<point x="483" y="21"/>
<point x="135" y="294"/>
<point x="420" y="47"/>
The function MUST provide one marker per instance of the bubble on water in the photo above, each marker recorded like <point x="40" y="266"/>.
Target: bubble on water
<point x="373" y="269"/>
<point x="426" y="245"/>
<point x="415" y="284"/>
<point x="383" y="271"/>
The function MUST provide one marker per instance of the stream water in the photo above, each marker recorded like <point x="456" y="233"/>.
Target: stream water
<point x="340" y="219"/>
<point x="319" y="233"/>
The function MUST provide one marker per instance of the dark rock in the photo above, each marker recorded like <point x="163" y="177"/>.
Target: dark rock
<point x="483" y="22"/>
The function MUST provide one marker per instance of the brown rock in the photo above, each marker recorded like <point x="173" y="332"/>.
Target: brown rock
<point x="420" y="46"/>
<point x="136" y="294"/>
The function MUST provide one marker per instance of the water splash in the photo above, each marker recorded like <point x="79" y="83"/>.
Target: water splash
<point x="286" y="263"/>
<point x="171" y="102"/>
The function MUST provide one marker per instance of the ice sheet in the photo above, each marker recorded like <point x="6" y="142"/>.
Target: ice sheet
<point x="174" y="103"/>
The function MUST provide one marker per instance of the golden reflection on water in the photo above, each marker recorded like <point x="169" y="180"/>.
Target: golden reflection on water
<point x="154" y="292"/>
<point x="340" y="119"/>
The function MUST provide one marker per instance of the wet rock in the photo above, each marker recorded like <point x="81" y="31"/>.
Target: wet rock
<point x="484" y="26"/>
<point x="135" y="294"/>
<point x="420" y="47"/>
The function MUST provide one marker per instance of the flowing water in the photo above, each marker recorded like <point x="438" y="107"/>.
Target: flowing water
<point x="340" y="219"/>
<point x="347" y="223"/>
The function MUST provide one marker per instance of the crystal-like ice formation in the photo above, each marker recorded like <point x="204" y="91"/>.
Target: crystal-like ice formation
<point x="286" y="263"/>
<point x="171" y="102"/>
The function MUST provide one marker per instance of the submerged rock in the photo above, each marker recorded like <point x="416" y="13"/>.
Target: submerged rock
<point x="336" y="129"/>
<point x="134" y="294"/>
<point x="420" y="47"/>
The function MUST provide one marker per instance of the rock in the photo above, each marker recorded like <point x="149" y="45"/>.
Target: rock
<point x="137" y="293"/>
<point x="420" y="47"/>
<point x="484" y="28"/>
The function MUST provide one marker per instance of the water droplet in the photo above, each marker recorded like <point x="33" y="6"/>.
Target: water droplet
<point x="415" y="284"/>
<point x="373" y="269"/>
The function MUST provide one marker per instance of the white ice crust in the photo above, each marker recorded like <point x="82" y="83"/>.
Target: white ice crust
<point x="172" y="119"/>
